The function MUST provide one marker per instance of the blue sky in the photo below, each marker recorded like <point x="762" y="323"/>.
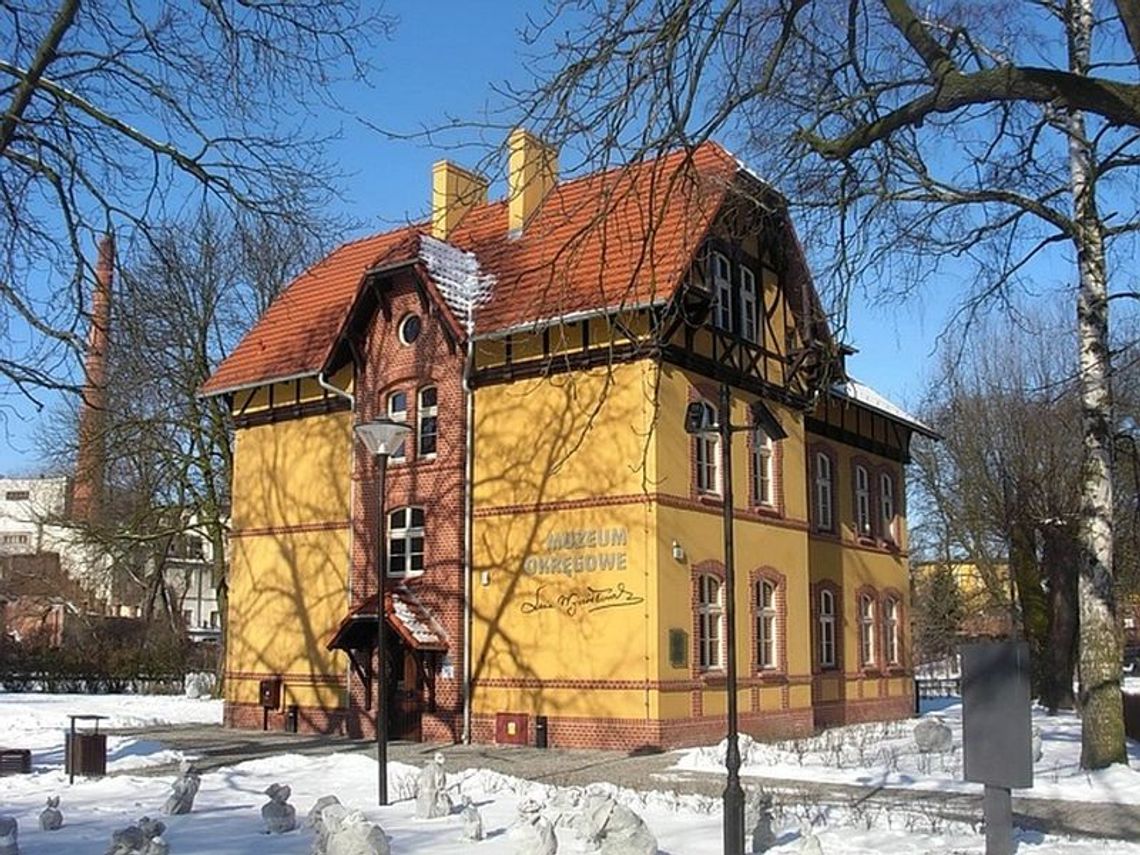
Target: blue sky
<point x="441" y="61"/>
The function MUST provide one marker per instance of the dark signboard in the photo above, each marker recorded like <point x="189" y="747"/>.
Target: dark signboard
<point x="996" y="730"/>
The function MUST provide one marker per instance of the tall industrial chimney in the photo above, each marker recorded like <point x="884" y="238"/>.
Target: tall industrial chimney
<point x="90" y="460"/>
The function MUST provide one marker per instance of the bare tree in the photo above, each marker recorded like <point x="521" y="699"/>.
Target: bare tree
<point x="119" y="115"/>
<point x="908" y="138"/>
<point x="186" y="297"/>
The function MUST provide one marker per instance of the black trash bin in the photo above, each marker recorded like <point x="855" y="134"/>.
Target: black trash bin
<point x="85" y="752"/>
<point x="541" y="733"/>
<point x="291" y="715"/>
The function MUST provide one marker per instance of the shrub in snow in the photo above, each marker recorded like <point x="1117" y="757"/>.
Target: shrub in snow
<point x="50" y="817"/>
<point x="758" y="817"/>
<point x="279" y="816"/>
<point x="185" y="787"/>
<point x="613" y="829"/>
<point x="931" y="736"/>
<point x="532" y="833"/>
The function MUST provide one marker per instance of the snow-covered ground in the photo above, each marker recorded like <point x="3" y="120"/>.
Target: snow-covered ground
<point x="226" y="818"/>
<point x="884" y="754"/>
<point x="38" y="722"/>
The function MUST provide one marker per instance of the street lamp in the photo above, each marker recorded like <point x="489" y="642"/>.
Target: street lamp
<point x="763" y="419"/>
<point x="381" y="437"/>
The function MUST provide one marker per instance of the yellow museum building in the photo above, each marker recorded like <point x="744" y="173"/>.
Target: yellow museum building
<point x="553" y="536"/>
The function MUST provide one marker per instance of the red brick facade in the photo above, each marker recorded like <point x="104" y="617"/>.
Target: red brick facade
<point x="434" y="359"/>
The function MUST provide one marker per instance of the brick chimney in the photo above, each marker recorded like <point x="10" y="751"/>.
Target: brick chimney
<point x="454" y="192"/>
<point x="87" y="490"/>
<point x="532" y="173"/>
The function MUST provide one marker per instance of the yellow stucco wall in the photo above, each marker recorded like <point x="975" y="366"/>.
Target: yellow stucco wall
<point x="564" y="585"/>
<point x="289" y="558"/>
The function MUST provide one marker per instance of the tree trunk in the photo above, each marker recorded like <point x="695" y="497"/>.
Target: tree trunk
<point x="1031" y="601"/>
<point x="1102" y="712"/>
<point x="1061" y="559"/>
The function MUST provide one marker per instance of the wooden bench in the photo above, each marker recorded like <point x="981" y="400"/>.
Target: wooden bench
<point x="15" y="761"/>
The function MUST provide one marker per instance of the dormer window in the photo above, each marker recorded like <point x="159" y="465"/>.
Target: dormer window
<point x="722" y="292"/>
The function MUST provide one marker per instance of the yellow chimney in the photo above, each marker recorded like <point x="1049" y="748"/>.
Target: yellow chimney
<point x="454" y="192"/>
<point x="533" y="171"/>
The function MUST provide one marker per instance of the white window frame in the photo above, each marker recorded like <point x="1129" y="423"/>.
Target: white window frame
<point x="867" y="630"/>
<point x="887" y="506"/>
<point x="722" y="292"/>
<point x="406" y="533"/>
<point x="862" y="501"/>
<point x="891" y="630"/>
<point x="767" y="625"/>
<point x="710" y="622"/>
<point x="750" y="323"/>
<point x="824" y="500"/>
<point x="827" y="649"/>
<point x="708" y="473"/>
<point x="424" y="413"/>
<point x="763" y="469"/>
<point x="398" y="414"/>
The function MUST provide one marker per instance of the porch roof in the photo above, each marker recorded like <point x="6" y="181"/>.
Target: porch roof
<point x="410" y="618"/>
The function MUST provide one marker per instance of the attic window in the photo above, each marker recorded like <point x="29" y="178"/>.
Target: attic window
<point x="409" y="329"/>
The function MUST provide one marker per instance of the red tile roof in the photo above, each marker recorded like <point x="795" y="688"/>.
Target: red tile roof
<point x="620" y="238"/>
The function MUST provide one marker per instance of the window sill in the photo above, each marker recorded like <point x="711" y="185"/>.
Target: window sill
<point x="771" y="675"/>
<point x="707" y="498"/>
<point x="766" y="510"/>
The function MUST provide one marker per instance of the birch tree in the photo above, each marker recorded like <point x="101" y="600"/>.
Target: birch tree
<point x="962" y="142"/>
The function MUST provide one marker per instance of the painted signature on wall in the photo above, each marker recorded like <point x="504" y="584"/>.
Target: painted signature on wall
<point x="578" y="600"/>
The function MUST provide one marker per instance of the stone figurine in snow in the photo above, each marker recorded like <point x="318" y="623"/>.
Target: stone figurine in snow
<point x="931" y="736"/>
<point x="50" y="817"/>
<point x="532" y="833"/>
<point x="142" y="838"/>
<point x="350" y="833"/>
<point x="315" y="821"/>
<point x="279" y="816"/>
<point x="759" y="819"/>
<point x="9" y="833"/>
<point x="432" y="800"/>
<point x="565" y="807"/>
<point x="809" y="843"/>
<point x="472" y="820"/>
<point x="613" y="829"/>
<point x="181" y="800"/>
<point x="1037" y="744"/>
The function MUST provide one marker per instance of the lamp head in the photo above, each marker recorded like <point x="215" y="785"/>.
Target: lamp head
<point x="382" y="436"/>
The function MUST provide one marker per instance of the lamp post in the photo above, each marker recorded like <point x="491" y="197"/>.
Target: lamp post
<point x="381" y="437"/>
<point x="762" y="419"/>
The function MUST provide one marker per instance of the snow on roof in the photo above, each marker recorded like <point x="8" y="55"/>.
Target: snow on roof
<point x="861" y="393"/>
<point x="457" y="275"/>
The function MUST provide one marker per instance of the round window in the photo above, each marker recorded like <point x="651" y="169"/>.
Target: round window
<point x="410" y="328"/>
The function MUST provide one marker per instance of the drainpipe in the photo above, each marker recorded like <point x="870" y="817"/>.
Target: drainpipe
<point x="468" y="530"/>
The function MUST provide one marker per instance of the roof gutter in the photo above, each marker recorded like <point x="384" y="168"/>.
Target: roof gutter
<point x="254" y="384"/>
<point x="572" y="317"/>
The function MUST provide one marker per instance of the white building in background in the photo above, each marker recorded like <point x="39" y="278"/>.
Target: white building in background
<point x="27" y="508"/>
<point x="190" y="576"/>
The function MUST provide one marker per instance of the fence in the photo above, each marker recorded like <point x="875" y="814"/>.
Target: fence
<point x="91" y="684"/>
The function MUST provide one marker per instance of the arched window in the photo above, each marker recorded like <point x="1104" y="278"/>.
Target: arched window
<point x="826" y="629"/>
<point x="398" y="411"/>
<point x="866" y="630"/>
<point x="708" y="451"/>
<point x="887" y="506"/>
<point x="763" y="492"/>
<point x="823" y="492"/>
<point x="710" y="621"/>
<point x="406" y="535"/>
<point x="722" y="292"/>
<point x="427" y="425"/>
<point x="891" y="630"/>
<point x="862" y="502"/>
<point x="767" y="625"/>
